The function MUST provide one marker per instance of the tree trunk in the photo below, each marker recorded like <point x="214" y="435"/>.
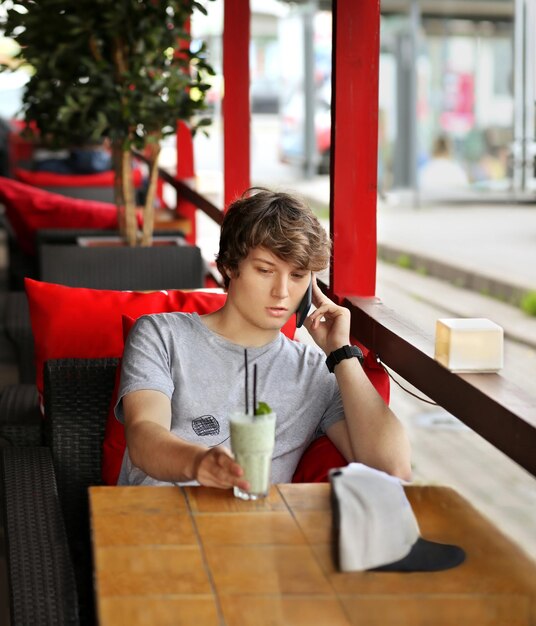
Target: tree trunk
<point x="131" y="226"/>
<point x="118" y="187"/>
<point x="148" y="210"/>
<point x="124" y="186"/>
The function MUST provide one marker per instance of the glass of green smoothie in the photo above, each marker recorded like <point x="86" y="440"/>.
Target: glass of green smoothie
<point x="252" y="442"/>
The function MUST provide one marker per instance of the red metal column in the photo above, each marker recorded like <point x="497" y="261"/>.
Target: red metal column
<point x="185" y="160"/>
<point x="186" y="172"/>
<point x="354" y="146"/>
<point x="236" y="118"/>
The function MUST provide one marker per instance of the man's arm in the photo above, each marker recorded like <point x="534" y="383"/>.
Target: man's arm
<point x="163" y="456"/>
<point x="371" y="433"/>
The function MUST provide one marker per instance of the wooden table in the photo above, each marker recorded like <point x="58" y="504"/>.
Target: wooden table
<point x="198" y="556"/>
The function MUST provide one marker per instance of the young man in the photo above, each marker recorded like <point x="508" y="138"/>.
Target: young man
<point x="183" y="375"/>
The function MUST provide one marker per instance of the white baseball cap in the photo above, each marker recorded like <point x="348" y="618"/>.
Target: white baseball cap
<point x="375" y="528"/>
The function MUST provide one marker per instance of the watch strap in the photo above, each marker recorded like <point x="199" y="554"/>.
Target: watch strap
<point x="346" y="352"/>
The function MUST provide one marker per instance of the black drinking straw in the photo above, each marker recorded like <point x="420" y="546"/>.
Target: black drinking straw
<point x="246" y="372"/>
<point x="255" y="389"/>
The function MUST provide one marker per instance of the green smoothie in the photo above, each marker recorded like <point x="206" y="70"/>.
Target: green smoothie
<point x="252" y="442"/>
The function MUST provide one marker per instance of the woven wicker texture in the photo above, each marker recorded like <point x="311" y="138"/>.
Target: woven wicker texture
<point x="41" y="577"/>
<point x="19" y="331"/>
<point x="77" y="397"/>
<point x="100" y="193"/>
<point x="20" y="263"/>
<point x="70" y="235"/>
<point x="20" y="418"/>
<point x="156" y="267"/>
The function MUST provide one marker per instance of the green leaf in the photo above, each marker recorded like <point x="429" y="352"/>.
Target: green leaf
<point x="263" y="409"/>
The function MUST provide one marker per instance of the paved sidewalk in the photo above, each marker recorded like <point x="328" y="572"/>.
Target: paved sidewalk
<point x="495" y="241"/>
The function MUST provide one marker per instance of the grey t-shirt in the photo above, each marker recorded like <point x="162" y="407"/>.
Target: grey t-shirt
<point x="203" y="375"/>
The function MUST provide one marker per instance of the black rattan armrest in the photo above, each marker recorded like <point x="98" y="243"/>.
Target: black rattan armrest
<point x="77" y="394"/>
<point x="19" y="331"/>
<point x="41" y="578"/>
<point x="21" y="422"/>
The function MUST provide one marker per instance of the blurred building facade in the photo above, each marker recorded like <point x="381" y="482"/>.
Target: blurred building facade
<point x="460" y="69"/>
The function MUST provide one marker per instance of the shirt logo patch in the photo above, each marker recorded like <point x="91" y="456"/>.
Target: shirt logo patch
<point x="206" y="425"/>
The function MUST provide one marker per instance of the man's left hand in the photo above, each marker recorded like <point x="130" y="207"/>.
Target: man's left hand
<point x="329" y="324"/>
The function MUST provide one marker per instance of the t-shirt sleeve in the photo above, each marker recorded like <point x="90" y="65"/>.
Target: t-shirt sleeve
<point x="145" y="363"/>
<point x="334" y="411"/>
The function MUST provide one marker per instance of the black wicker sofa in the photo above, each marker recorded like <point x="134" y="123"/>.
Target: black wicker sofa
<point x="44" y="497"/>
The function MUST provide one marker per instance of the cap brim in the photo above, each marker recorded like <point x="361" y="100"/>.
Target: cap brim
<point x="426" y="556"/>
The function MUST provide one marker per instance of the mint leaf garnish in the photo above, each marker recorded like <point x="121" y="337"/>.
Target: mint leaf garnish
<point x="263" y="409"/>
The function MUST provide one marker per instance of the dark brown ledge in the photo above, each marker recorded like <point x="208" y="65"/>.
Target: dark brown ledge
<point x="492" y="406"/>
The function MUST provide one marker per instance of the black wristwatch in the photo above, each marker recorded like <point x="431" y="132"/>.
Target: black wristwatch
<point x="346" y="352"/>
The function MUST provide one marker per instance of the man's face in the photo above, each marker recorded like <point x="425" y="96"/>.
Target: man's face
<point x="266" y="291"/>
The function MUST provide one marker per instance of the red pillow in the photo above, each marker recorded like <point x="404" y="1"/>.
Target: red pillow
<point x="376" y="373"/>
<point x="322" y="455"/>
<point x="113" y="447"/>
<point x="114" y="444"/>
<point x="319" y="457"/>
<point x="29" y="209"/>
<point x="53" y="179"/>
<point x="86" y="323"/>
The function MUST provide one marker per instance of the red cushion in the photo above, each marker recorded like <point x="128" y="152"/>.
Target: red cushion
<point x="29" y="209"/>
<point x="114" y="444"/>
<point x="317" y="460"/>
<point x="113" y="447"/>
<point x="376" y="374"/>
<point x="52" y="179"/>
<point x="86" y="323"/>
<point x="322" y="455"/>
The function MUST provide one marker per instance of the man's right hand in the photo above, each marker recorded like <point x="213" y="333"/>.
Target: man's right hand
<point x="216" y="467"/>
<point x="162" y="455"/>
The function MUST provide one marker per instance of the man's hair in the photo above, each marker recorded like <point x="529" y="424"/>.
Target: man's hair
<point x="278" y="221"/>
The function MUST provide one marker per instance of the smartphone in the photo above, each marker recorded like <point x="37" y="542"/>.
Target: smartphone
<point x="304" y="306"/>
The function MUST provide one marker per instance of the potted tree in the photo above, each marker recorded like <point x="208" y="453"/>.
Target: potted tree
<point x="116" y="70"/>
